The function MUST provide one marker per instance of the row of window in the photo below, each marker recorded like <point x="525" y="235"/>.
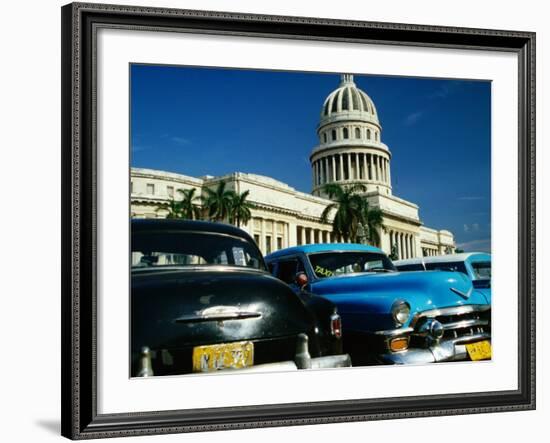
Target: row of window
<point x="150" y="189"/>
<point x="269" y="243"/>
<point x="337" y="134"/>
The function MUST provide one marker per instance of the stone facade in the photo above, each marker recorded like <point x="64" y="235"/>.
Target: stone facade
<point x="350" y="151"/>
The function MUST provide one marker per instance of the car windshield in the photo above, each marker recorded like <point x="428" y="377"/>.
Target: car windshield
<point x="178" y="248"/>
<point x="482" y="270"/>
<point x="329" y="264"/>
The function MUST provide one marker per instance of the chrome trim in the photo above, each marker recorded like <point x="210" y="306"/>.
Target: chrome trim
<point x="395" y="305"/>
<point x="455" y="310"/>
<point x="431" y="327"/>
<point x="394" y="332"/>
<point x="197" y="318"/>
<point x="471" y="338"/>
<point x="465" y="324"/>
<point x="145" y="363"/>
<point x="443" y="350"/>
<point x="205" y="267"/>
<point x="465" y="295"/>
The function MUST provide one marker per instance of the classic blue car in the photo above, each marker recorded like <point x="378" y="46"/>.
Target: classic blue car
<point x="388" y="316"/>
<point x="476" y="265"/>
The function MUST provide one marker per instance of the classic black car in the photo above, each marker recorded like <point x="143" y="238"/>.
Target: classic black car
<point x="202" y="301"/>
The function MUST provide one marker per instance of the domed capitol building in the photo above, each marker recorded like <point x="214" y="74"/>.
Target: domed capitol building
<point x="350" y="151"/>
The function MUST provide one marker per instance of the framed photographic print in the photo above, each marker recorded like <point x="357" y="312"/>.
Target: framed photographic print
<point x="273" y="221"/>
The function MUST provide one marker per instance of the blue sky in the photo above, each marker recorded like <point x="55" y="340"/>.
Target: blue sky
<point x="199" y="121"/>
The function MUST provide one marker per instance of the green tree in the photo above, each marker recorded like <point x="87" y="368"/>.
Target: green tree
<point x="217" y="203"/>
<point x="173" y="207"/>
<point x="240" y="209"/>
<point x="348" y="205"/>
<point x="189" y="207"/>
<point x="372" y="220"/>
<point x="393" y="255"/>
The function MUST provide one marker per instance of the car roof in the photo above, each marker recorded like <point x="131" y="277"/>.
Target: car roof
<point x="322" y="247"/>
<point x="147" y="224"/>
<point x="463" y="256"/>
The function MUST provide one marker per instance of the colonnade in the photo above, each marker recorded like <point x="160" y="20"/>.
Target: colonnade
<point x="351" y="166"/>
<point x="405" y="242"/>
<point x="430" y="252"/>
<point x="306" y="236"/>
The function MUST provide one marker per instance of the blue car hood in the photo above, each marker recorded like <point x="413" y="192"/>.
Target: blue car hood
<point x="364" y="300"/>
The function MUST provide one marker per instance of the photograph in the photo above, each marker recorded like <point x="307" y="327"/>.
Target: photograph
<point x="286" y="220"/>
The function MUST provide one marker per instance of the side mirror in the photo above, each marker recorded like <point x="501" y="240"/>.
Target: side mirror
<point x="301" y="280"/>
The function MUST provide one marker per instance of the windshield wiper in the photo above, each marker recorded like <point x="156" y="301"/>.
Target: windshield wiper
<point x="380" y="270"/>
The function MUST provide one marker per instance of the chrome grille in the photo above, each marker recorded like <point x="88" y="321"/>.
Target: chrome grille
<point x="458" y="323"/>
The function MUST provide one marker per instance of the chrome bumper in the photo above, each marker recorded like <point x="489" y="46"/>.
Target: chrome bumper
<point x="444" y="350"/>
<point x="330" y="361"/>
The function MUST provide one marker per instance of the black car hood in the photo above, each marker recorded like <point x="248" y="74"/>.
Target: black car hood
<point x="178" y="307"/>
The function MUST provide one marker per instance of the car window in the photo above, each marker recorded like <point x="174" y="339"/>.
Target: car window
<point x="287" y="269"/>
<point x="329" y="264"/>
<point x="170" y="248"/>
<point x="411" y="267"/>
<point x="482" y="270"/>
<point x="447" y="266"/>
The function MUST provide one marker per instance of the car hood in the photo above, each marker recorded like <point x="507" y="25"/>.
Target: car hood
<point x="177" y="307"/>
<point x="364" y="300"/>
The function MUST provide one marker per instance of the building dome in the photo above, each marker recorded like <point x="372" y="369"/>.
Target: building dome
<point x="348" y="99"/>
<point x="350" y="146"/>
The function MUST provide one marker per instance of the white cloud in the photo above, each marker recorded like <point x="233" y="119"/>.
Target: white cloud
<point x="412" y="118"/>
<point x="180" y="140"/>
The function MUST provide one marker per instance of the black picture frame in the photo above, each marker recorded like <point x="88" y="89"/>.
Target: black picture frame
<point x="79" y="174"/>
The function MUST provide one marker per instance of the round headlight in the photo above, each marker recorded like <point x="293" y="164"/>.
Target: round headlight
<point x="400" y="311"/>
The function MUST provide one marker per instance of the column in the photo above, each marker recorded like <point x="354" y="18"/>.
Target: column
<point x="371" y="167"/>
<point x="262" y="236"/>
<point x="389" y="173"/>
<point x="365" y="173"/>
<point x="318" y="170"/>
<point x="341" y="161"/>
<point x="398" y="243"/>
<point x="381" y="172"/>
<point x="349" y="166"/>
<point x="357" y="167"/>
<point x="315" y="174"/>
<point x="325" y="164"/>
<point x="333" y="171"/>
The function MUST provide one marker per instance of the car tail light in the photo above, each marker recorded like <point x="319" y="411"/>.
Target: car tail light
<point x="399" y="344"/>
<point x="336" y="325"/>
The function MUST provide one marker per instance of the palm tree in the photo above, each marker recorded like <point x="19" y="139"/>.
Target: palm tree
<point x="188" y="205"/>
<point x="217" y="203"/>
<point x="174" y="209"/>
<point x="240" y="209"/>
<point x="372" y="220"/>
<point x="348" y="205"/>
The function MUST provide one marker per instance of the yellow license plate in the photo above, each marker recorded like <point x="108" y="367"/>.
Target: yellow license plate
<point x="480" y="350"/>
<point x="236" y="355"/>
